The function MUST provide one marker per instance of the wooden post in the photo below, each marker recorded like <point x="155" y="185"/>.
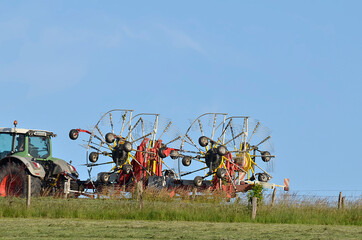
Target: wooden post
<point x="28" y="196"/>
<point x="140" y="193"/>
<point x="342" y="203"/>
<point x="66" y="188"/>
<point x="194" y="191"/>
<point x="340" y="200"/>
<point x="273" y="197"/>
<point x="254" y="206"/>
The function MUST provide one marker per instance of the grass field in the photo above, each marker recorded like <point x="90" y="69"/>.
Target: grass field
<point x="35" y="228"/>
<point x="178" y="218"/>
<point x="181" y="210"/>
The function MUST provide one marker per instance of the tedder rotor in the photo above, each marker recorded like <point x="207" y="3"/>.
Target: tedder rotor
<point x="132" y="146"/>
<point x="226" y="149"/>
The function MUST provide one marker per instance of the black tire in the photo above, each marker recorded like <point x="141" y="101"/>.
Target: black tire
<point x="161" y="153"/>
<point x="174" y="154"/>
<point x="203" y="141"/>
<point x="222" y="150"/>
<point x="110" y="138"/>
<point x="104" y="177"/>
<point x="127" y="168"/>
<point x="73" y="134"/>
<point x="14" y="181"/>
<point x="265" y="156"/>
<point x="127" y="146"/>
<point x="262" y="177"/>
<point x="198" y="181"/>
<point x="93" y="157"/>
<point x="186" y="161"/>
<point x="221" y="172"/>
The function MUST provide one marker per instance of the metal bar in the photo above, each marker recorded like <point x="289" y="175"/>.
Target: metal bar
<point x="111" y="120"/>
<point x="170" y="168"/>
<point x="254" y="131"/>
<point x="200" y="125"/>
<point x="193" y="143"/>
<point x="263" y="141"/>
<point x="213" y="126"/>
<point x="168" y="125"/>
<point x="177" y="138"/>
<point x="234" y="138"/>
<point x="142" y="137"/>
<point x="193" y="171"/>
<point x="124" y="121"/>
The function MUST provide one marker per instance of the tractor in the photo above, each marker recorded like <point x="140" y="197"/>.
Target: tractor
<point x="25" y="152"/>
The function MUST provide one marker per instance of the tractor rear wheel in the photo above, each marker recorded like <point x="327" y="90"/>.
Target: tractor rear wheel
<point x="14" y="181"/>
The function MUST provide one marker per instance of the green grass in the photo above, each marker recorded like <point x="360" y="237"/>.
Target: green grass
<point x="36" y="228"/>
<point x="181" y="210"/>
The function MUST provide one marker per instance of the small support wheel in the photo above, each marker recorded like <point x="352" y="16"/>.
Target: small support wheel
<point x="263" y="177"/>
<point x="265" y="156"/>
<point x="73" y="134"/>
<point x="127" y="146"/>
<point x="221" y="150"/>
<point x="203" y="141"/>
<point x="221" y="172"/>
<point x="174" y="154"/>
<point x="198" y="181"/>
<point x="127" y="168"/>
<point x="110" y="137"/>
<point x="186" y="161"/>
<point x="104" y="177"/>
<point x="93" y="157"/>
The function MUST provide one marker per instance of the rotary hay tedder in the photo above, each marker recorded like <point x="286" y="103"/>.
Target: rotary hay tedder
<point x="148" y="148"/>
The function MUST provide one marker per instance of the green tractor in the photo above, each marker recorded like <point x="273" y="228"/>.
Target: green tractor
<point x="25" y="152"/>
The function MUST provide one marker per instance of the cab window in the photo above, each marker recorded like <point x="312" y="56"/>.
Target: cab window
<point x="39" y="147"/>
<point x="20" y="143"/>
<point x="6" y="141"/>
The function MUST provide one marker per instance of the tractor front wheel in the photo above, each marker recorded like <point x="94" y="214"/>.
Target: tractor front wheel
<point x="14" y="181"/>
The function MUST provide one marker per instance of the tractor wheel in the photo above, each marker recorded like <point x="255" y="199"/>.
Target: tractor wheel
<point x="73" y="134"/>
<point x="14" y="181"/>
<point x="198" y="181"/>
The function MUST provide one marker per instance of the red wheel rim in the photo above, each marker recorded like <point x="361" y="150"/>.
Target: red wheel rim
<point x="11" y="185"/>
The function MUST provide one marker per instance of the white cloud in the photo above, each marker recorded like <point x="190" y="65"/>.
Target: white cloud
<point x="181" y="39"/>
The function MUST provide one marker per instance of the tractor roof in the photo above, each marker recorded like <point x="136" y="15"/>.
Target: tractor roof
<point x="27" y="131"/>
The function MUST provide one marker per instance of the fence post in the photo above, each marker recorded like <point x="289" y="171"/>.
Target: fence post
<point x="28" y="196"/>
<point x="342" y="203"/>
<point x="140" y="192"/>
<point x="340" y="200"/>
<point x="66" y="188"/>
<point x="273" y="197"/>
<point x="194" y="192"/>
<point x="254" y="206"/>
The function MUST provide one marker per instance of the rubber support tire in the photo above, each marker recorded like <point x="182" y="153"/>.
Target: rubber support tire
<point x="198" y="181"/>
<point x="73" y="134"/>
<point x="186" y="161"/>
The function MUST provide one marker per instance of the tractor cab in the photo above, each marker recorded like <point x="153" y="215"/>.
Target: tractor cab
<point x="25" y="143"/>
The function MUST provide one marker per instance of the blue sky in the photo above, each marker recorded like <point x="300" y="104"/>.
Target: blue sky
<point x="294" y="65"/>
